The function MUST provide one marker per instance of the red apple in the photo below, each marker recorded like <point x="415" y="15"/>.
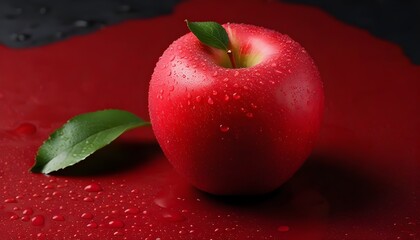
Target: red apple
<point x="243" y="130"/>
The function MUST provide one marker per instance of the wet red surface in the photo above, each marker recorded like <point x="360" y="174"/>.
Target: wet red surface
<point x="360" y="183"/>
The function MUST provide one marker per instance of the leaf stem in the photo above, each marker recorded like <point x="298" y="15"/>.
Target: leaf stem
<point x="231" y="58"/>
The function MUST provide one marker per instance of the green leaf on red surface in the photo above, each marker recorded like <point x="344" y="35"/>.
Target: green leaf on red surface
<point x="81" y="136"/>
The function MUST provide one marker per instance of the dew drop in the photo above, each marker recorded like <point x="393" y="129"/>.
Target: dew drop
<point x="28" y="211"/>
<point x="10" y="200"/>
<point x="132" y="210"/>
<point x="198" y="99"/>
<point x="171" y="88"/>
<point x="93" y="187"/>
<point x="88" y="199"/>
<point x="215" y="74"/>
<point x="38" y="220"/>
<point x="92" y="225"/>
<point x="236" y="96"/>
<point x="226" y="98"/>
<point x="236" y="74"/>
<point x="14" y="217"/>
<point x="224" y="128"/>
<point x="214" y="92"/>
<point x="25" y="218"/>
<point x="173" y="217"/>
<point x="118" y="233"/>
<point x="115" y="224"/>
<point x="87" y="216"/>
<point x="25" y="129"/>
<point x="210" y="101"/>
<point x="225" y="79"/>
<point x="58" y="218"/>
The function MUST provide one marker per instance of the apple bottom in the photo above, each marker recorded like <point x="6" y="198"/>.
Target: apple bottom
<point x="240" y="161"/>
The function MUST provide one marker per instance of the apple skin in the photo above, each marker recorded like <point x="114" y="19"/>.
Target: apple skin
<point x="236" y="131"/>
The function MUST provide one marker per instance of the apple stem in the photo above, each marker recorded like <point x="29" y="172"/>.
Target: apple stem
<point x="231" y="58"/>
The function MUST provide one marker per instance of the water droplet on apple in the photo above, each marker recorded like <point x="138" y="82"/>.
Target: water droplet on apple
<point x="214" y="92"/>
<point x="87" y="215"/>
<point x="118" y="233"/>
<point x="225" y="79"/>
<point x="224" y="128"/>
<point x="28" y="211"/>
<point x="58" y="217"/>
<point x="10" y="200"/>
<point x="215" y="74"/>
<point x="236" y="96"/>
<point x="173" y="217"/>
<point x="172" y="58"/>
<point x="93" y="187"/>
<point x="38" y="220"/>
<point x="115" y="224"/>
<point x="226" y="98"/>
<point x="198" y="99"/>
<point x="25" y="218"/>
<point x="249" y="115"/>
<point x="236" y="73"/>
<point x="92" y="225"/>
<point x="210" y="101"/>
<point x="133" y="210"/>
<point x="14" y="217"/>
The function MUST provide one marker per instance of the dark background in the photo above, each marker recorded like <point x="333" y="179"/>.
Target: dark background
<point x="27" y="23"/>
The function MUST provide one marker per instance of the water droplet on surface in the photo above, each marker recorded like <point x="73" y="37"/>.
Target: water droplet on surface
<point x="226" y="98"/>
<point x="236" y="74"/>
<point x="88" y="199"/>
<point x="25" y="129"/>
<point x="93" y="187"/>
<point x="214" y="92"/>
<point x="118" y="233"/>
<point x="25" y="218"/>
<point x="132" y="210"/>
<point x="38" y="220"/>
<point x="224" y="128"/>
<point x="10" y="200"/>
<point x="236" y="96"/>
<point x="225" y="79"/>
<point x="92" y="225"/>
<point x="115" y="224"/>
<point x="58" y="218"/>
<point x="14" y="217"/>
<point x="87" y="216"/>
<point x="173" y="217"/>
<point x="283" y="228"/>
<point x="198" y="99"/>
<point x="215" y="74"/>
<point x="210" y="101"/>
<point x="28" y="211"/>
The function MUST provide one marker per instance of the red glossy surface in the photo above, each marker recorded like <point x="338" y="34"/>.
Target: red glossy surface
<point x="236" y="130"/>
<point x="361" y="182"/>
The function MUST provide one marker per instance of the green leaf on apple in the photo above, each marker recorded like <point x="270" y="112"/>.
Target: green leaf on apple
<point x="210" y="33"/>
<point x="81" y="136"/>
